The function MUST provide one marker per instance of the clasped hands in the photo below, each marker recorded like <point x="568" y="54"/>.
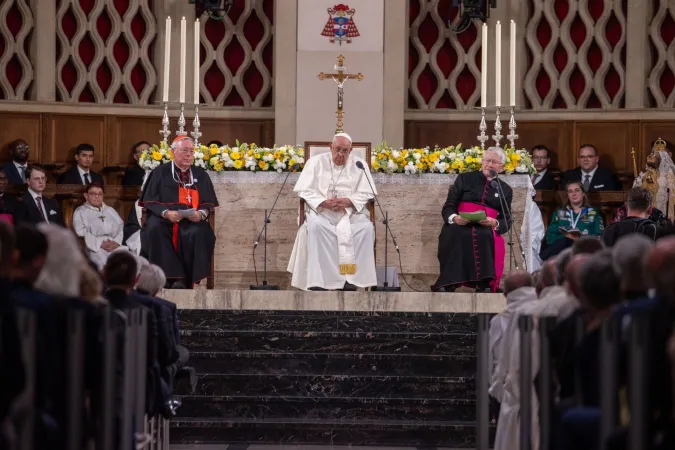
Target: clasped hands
<point x="336" y="204"/>
<point x="109" y="245"/>
<point x="489" y="222"/>
<point x="175" y="217"/>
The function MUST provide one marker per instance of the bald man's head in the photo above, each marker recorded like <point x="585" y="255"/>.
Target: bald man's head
<point x="572" y="274"/>
<point x="516" y="280"/>
<point x="660" y="267"/>
<point x="587" y="244"/>
<point x="547" y="276"/>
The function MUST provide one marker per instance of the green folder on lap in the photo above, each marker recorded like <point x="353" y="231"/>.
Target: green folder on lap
<point x="476" y="216"/>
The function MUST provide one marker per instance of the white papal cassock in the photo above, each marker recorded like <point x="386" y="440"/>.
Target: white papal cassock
<point x="329" y="241"/>
<point x="97" y="225"/>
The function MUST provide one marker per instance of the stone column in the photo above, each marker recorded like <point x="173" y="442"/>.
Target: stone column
<point x="285" y="73"/>
<point x="395" y="70"/>
<point x="43" y="50"/>
<point x="637" y="53"/>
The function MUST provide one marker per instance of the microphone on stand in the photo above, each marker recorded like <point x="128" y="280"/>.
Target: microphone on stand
<point x="505" y="208"/>
<point x="265" y="286"/>
<point x="385" y="220"/>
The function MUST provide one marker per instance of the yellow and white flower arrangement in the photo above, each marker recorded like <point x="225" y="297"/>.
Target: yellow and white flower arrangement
<point x="452" y="160"/>
<point x="240" y="157"/>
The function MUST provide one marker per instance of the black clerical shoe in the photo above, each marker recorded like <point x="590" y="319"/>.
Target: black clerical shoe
<point x="317" y="289"/>
<point x="435" y="288"/>
<point x="348" y="287"/>
<point x="178" y="284"/>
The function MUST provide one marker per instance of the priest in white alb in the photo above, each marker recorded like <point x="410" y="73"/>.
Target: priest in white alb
<point x="334" y="246"/>
<point x="100" y="226"/>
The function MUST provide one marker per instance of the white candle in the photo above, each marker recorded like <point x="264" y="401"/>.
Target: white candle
<point x="483" y="67"/>
<point x="197" y="79"/>
<point x="167" y="58"/>
<point x="182" y="60"/>
<point x="498" y="64"/>
<point x="512" y="75"/>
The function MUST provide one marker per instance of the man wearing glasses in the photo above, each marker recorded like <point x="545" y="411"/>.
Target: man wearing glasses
<point x="178" y="198"/>
<point x="543" y="179"/>
<point x="99" y="225"/>
<point x="16" y="168"/>
<point x="592" y="177"/>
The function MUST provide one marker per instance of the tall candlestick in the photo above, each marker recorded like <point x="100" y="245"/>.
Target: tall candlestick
<point x="182" y="60"/>
<point x="197" y="80"/>
<point x="498" y="64"/>
<point x="512" y="75"/>
<point x="167" y="58"/>
<point x="483" y="67"/>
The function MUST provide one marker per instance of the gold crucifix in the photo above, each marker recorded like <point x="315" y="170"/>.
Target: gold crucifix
<point x="340" y="78"/>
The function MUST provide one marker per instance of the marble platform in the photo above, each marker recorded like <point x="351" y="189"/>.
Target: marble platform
<point x="414" y="204"/>
<point x="360" y="301"/>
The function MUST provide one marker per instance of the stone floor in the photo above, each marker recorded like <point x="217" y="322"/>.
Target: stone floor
<point x="291" y="447"/>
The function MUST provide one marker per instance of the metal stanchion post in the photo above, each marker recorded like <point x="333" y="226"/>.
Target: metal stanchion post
<point x="27" y="327"/>
<point x="140" y="325"/>
<point x="107" y="412"/>
<point x="75" y="379"/>
<point x="127" y="411"/>
<point x="609" y="342"/>
<point x="482" y="382"/>
<point x="525" y="328"/>
<point x="639" y="374"/>
<point x="546" y="324"/>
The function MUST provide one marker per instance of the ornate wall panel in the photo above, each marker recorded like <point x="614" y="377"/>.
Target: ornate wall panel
<point x="662" y="52"/>
<point x="236" y="56"/>
<point x="575" y="54"/>
<point x="16" y="68"/>
<point x="442" y="65"/>
<point x="105" y="50"/>
<point x="61" y="133"/>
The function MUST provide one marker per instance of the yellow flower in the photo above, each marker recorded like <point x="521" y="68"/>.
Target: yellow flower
<point x="376" y="165"/>
<point x="238" y="164"/>
<point x="420" y="165"/>
<point x="218" y="167"/>
<point x="235" y="155"/>
<point x="469" y="159"/>
<point x="214" y="150"/>
<point x="258" y="156"/>
<point x="263" y="165"/>
<point x="291" y="162"/>
<point x="157" y="156"/>
<point x="509" y="167"/>
<point x="515" y="157"/>
<point x="169" y="154"/>
<point x="249" y="153"/>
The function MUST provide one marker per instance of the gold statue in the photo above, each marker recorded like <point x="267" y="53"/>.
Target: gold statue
<point x="650" y="177"/>
<point x="340" y="78"/>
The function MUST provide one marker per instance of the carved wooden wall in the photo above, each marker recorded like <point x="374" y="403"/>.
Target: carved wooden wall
<point x="614" y="139"/>
<point x="53" y="137"/>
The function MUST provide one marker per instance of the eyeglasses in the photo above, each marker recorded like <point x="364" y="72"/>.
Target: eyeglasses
<point x="492" y="161"/>
<point x="539" y="158"/>
<point x="586" y="156"/>
<point x="341" y="151"/>
<point x="95" y="194"/>
<point x="184" y="150"/>
<point x="21" y="147"/>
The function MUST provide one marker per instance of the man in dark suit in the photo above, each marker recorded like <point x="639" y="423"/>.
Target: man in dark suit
<point x="7" y="201"/>
<point x="543" y="179"/>
<point x="592" y="177"/>
<point x="35" y="208"/>
<point x="81" y="173"/>
<point x="16" y="168"/>
<point x="134" y="175"/>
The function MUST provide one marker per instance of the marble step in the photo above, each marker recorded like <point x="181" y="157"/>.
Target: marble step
<point x="199" y="319"/>
<point x="329" y="341"/>
<point x="250" y="406"/>
<point x="319" y="385"/>
<point x="302" y="363"/>
<point x="217" y="430"/>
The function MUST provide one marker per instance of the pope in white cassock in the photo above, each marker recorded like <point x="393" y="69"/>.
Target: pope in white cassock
<point x="100" y="226"/>
<point x="334" y="246"/>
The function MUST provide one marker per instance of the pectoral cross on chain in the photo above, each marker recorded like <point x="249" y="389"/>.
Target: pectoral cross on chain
<point x="340" y="78"/>
<point x="189" y="197"/>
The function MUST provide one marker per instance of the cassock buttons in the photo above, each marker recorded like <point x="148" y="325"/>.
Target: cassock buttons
<point x="496" y="194"/>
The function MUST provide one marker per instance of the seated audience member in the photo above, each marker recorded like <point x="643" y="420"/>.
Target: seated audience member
<point x="99" y="225"/>
<point x="81" y="173"/>
<point x="181" y="246"/>
<point x="16" y="168"/>
<point x="12" y="374"/>
<point x="7" y="200"/>
<point x="629" y="254"/>
<point x="576" y="219"/>
<point x="472" y="253"/>
<point x="587" y="244"/>
<point x="34" y="207"/>
<point x="135" y="174"/>
<point x="150" y="281"/>
<point x="132" y="230"/>
<point x="543" y="179"/>
<point x="592" y="177"/>
<point x="216" y="143"/>
<point x="518" y="289"/>
<point x="638" y="206"/>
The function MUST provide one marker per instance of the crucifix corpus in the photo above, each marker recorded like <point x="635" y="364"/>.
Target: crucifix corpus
<point x="340" y="78"/>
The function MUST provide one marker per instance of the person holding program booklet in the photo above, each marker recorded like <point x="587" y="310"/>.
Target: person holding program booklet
<point x="475" y="215"/>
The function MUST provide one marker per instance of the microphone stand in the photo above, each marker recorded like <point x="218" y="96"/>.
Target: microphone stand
<point x="507" y="209"/>
<point x="667" y="204"/>
<point x="265" y="286"/>
<point x="385" y="285"/>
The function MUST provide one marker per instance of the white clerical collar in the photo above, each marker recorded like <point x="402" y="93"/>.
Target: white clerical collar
<point x="90" y="206"/>
<point x="591" y="173"/>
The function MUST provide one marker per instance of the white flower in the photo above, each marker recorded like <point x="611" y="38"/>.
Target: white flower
<point x="199" y="155"/>
<point x="200" y="163"/>
<point x="417" y="156"/>
<point x="391" y="165"/>
<point x="442" y="157"/>
<point x="252" y="168"/>
<point x="521" y="169"/>
<point x="452" y="155"/>
<point x="300" y="159"/>
<point x="162" y="151"/>
<point x="396" y="154"/>
<point x="410" y="168"/>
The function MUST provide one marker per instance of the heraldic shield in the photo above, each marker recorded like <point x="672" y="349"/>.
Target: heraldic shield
<point x="340" y="26"/>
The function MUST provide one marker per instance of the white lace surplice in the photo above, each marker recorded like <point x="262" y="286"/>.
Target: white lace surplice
<point x="96" y="226"/>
